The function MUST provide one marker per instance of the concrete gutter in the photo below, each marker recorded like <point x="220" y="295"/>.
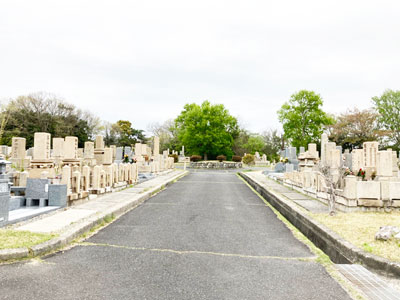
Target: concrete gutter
<point x="84" y="225"/>
<point x="338" y="249"/>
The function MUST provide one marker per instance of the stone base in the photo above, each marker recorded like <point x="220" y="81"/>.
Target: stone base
<point x="20" y="164"/>
<point x="98" y="191"/>
<point x="36" y="173"/>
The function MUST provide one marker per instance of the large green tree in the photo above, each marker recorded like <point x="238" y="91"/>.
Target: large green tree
<point x="207" y="129"/>
<point x="388" y="107"/>
<point x="303" y="119"/>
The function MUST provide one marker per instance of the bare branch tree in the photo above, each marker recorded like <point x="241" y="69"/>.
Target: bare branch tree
<point x="332" y="183"/>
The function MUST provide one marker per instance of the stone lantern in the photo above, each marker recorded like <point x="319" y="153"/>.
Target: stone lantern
<point x="4" y="192"/>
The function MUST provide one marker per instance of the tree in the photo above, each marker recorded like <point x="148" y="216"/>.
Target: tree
<point x="207" y="129"/>
<point x="126" y="135"/>
<point x="239" y="144"/>
<point x="272" y="144"/>
<point x="167" y="134"/>
<point x="303" y="119"/>
<point x="354" y="127"/>
<point x="332" y="183"/>
<point x="388" y="107"/>
<point x="43" y="112"/>
<point x="254" y="144"/>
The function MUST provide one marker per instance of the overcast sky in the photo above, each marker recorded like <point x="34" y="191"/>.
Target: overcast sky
<point x="143" y="60"/>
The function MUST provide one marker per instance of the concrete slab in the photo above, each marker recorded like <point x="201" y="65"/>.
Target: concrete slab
<point x="312" y="205"/>
<point x="22" y="214"/>
<point x="296" y="196"/>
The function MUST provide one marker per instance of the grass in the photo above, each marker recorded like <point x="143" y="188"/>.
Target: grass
<point x="359" y="228"/>
<point x="21" y="239"/>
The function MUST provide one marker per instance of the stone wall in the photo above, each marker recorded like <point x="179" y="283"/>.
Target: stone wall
<point x="215" y="165"/>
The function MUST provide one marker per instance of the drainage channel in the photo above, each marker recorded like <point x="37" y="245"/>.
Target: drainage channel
<point x="371" y="285"/>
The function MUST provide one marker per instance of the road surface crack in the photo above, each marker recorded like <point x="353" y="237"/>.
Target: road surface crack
<point x="188" y="252"/>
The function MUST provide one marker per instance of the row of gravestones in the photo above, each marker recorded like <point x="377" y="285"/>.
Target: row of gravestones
<point x="121" y="152"/>
<point x="293" y="163"/>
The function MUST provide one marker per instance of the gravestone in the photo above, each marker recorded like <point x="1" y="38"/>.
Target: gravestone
<point x="4" y="193"/>
<point x="58" y="147"/>
<point x="119" y="153"/>
<point x="289" y="168"/>
<point x="279" y="167"/>
<point x="71" y="147"/>
<point x="88" y="150"/>
<point x="347" y="159"/>
<point x="156" y="149"/>
<point x="57" y="195"/>
<point x="302" y="150"/>
<point x="18" y="148"/>
<point x="41" y="149"/>
<point x="292" y="153"/>
<point x="128" y="151"/>
<point x="37" y="190"/>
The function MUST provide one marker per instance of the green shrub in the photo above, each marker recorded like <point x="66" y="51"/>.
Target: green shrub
<point x="195" y="158"/>
<point x="248" y="159"/>
<point x="221" y="158"/>
<point x="236" y="158"/>
<point x="175" y="156"/>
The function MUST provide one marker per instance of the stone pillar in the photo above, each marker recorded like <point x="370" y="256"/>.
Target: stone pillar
<point x="99" y="142"/>
<point x="384" y="163"/>
<point x="114" y="151"/>
<point x="134" y="172"/>
<point x="41" y="150"/>
<point x="156" y="148"/>
<point x="66" y="177"/>
<point x="23" y="178"/>
<point x="76" y="182"/>
<point x="138" y="149"/>
<point x="121" y="174"/>
<point x="370" y="153"/>
<point x="18" y="148"/>
<point x="357" y="159"/>
<point x="58" y="147"/>
<point x="71" y="147"/>
<point x="80" y="153"/>
<point x="312" y="150"/>
<point x="115" y="173"/>
<point x="109" y="175"/>
<point x="96" y="177"/>
<point x="85" y="179"/>
<point x="102" y="179"/>
<point x="88" y="150"/>
<point x="108" y="156"/>
<point x="324" y="141"/>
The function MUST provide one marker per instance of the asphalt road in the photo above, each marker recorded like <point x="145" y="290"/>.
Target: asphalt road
<point x="208" y="236"/>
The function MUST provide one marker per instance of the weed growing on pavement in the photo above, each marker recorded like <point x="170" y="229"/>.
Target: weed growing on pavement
<point x="22" y="239"/>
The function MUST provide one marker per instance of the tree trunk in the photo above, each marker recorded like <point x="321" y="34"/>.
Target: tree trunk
<point x="205" y="156"/>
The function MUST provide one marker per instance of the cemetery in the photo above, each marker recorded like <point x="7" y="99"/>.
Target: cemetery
<point x="366" y="179"/>
<point x="56" y="173"/>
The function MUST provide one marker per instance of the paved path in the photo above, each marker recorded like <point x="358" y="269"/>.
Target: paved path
<point x="208" y="236"/>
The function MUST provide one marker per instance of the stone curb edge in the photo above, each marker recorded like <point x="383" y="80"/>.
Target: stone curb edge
<point x="338" y="249"/>
<point x="81" y="227"/>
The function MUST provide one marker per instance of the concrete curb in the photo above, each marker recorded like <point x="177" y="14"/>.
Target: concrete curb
<point x="79" y="228"/>
<point x="338" y="249"/>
